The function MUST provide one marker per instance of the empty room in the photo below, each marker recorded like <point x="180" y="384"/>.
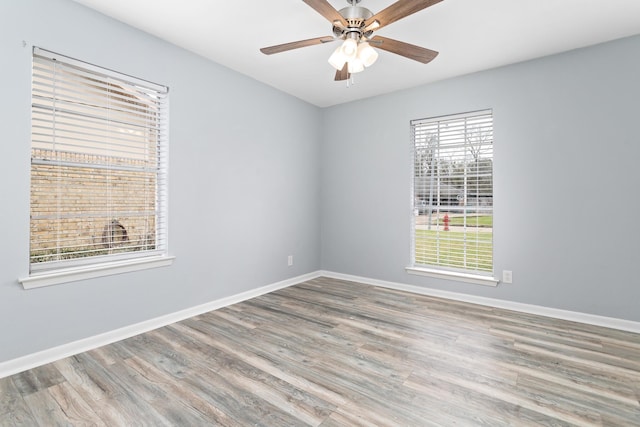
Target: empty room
<point x="319" y="213"/>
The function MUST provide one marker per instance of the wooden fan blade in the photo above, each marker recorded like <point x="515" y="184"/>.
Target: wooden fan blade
<point x="343" y="74"/>
<point x="295" y="45"/>
<point x="399" y="10"/>
<point x="407" y="50"/>
<point x="325" y="9"/>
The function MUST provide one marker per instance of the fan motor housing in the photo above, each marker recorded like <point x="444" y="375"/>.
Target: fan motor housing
<point x="355" y="17"/>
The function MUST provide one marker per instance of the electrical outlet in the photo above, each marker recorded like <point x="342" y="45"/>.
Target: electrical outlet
<point x="290" y="260"/>
<point x="507" y="276"/>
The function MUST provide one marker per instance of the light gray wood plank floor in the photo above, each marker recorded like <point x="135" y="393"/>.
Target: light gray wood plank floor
<point x="335" y="353"/>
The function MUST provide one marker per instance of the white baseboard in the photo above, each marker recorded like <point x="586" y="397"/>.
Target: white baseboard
<point x="40" y="358"/>
<point x="590" y="319"/>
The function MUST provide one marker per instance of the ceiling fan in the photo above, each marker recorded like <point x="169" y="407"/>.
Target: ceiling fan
<point x="355" y="26"/>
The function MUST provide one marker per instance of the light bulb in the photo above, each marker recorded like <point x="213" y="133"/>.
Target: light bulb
<point x="367" y="54"/>
<point x="337" y="59"/>
<point x="349" y="48"/>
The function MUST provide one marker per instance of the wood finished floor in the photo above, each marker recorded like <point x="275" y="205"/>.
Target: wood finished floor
<point x="335" y="353"/>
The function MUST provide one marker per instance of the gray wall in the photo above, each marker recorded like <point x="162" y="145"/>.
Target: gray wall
<point x="244" y="175"/>
<point x="253" y="179"/>
<point x="566" y="153"/>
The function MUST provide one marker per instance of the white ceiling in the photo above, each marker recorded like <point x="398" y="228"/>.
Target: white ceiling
<point x="471" y="35"/>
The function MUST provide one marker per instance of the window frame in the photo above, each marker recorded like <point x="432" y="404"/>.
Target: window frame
<point x="444" y="271"/>
<point x="95" y="134"/>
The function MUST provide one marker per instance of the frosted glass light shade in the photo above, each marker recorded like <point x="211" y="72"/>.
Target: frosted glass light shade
<point x="337" y="59"/>
<point x="349" y="49"/>
<point x="367" y="54"/>
<point x="355" y="66"/>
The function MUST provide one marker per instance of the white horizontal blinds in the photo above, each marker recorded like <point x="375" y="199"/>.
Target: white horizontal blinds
<point x="98" y="164"/>
<point x="453" y="192"/>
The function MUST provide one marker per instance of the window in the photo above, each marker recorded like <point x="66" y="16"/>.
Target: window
<point x="452" y="227"/>
<point x="98" y="166"/>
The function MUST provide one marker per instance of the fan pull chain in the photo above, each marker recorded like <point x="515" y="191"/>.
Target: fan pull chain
<point x="350" y="81"/>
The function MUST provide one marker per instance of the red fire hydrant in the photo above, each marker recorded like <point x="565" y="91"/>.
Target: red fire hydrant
<point x="446" y="222"/>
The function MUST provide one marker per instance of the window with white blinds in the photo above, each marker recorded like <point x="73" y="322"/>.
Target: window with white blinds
<point x="98" y="165"/>
<point x="452" y="227"/>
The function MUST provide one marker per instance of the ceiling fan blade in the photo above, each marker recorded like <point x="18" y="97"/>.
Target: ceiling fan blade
<point x="399" y="10"/>
<point x="325" y="9"/>
<point x="343" y="74"/>
<point x="407" y="50"/>
<point x="295" y="45"/>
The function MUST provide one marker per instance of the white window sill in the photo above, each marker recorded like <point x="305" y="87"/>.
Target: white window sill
<point x="49" y="278"/>
<point x="453" y="275"/>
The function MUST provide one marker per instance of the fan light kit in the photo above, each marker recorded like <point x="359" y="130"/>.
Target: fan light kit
<point x="355" y="26"/>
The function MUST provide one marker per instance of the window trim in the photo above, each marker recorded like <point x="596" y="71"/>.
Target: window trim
<point x="443" y="272"/>
<point x="57" y="272"/>
<point x="65" y="275"/>
<point x="453" y="275"/>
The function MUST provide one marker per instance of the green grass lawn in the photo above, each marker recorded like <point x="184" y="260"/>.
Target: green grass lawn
<point x="454" y="249"/>
<point x="472" y="221"/>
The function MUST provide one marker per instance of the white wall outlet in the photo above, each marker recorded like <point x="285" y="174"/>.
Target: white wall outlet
<point x="290" y="260"/>
<point x="507" y="276"/>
